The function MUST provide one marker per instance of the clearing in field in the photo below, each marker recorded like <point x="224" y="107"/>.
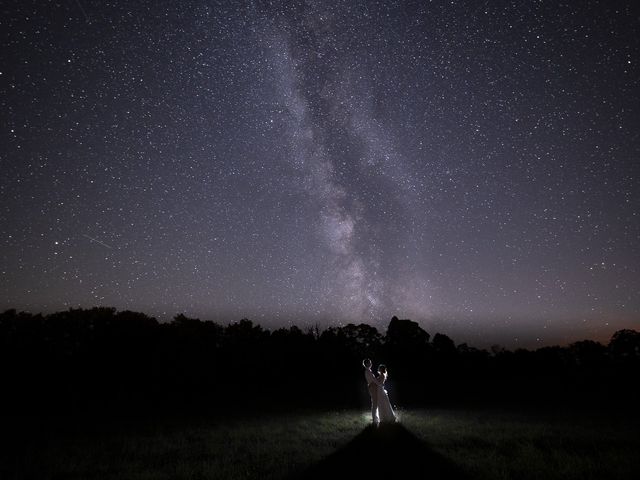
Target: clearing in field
<point x="480" y="444"/>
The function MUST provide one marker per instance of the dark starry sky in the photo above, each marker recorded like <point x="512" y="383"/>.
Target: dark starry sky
<point x="470" y="165"/>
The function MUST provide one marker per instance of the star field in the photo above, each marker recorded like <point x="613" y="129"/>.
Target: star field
<point x="469" y="165"/>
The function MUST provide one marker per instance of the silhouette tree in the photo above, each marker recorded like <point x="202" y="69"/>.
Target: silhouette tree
<point x="102" y="359"/>
<point x="406" y="334"/>
<point x="408" y="356"/>
<point x="443" y="345"/>
<point x="625" y="344"/>
<point x="587" y="353"/>
<point x="362" y="340"/>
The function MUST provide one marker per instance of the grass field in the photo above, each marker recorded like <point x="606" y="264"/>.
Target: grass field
<point x="480" y="444"/>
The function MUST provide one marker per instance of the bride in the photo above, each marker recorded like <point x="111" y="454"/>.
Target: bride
<point x="385" y="412"/>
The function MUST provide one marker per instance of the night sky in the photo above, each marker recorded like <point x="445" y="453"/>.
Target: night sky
<point x="474" y="166"/>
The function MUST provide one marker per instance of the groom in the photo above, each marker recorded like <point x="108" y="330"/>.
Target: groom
<point x="373" y="391"/>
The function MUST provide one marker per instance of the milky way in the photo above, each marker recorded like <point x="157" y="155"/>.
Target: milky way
<point x="469" y="165"/>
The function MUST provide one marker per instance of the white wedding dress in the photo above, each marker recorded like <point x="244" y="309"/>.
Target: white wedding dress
<point x="385" y="412"/>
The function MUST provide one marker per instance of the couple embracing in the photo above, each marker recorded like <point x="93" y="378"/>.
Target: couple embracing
<point x="381" y="411"/>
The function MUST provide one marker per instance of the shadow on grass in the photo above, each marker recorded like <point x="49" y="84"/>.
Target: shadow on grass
<point x="389" y="451"/>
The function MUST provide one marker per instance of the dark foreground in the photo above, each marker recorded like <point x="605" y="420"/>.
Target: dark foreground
<point x="387" y="451"/>
<point x="436" y="443"/>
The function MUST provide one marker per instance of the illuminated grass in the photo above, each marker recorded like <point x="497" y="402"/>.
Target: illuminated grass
<point x="269" y="447"/>
<point x="483" y="444"/>
<point x="502" y="445"/>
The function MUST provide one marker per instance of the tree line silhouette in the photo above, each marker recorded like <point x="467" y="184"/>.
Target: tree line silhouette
<point x="101" y="360"/>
